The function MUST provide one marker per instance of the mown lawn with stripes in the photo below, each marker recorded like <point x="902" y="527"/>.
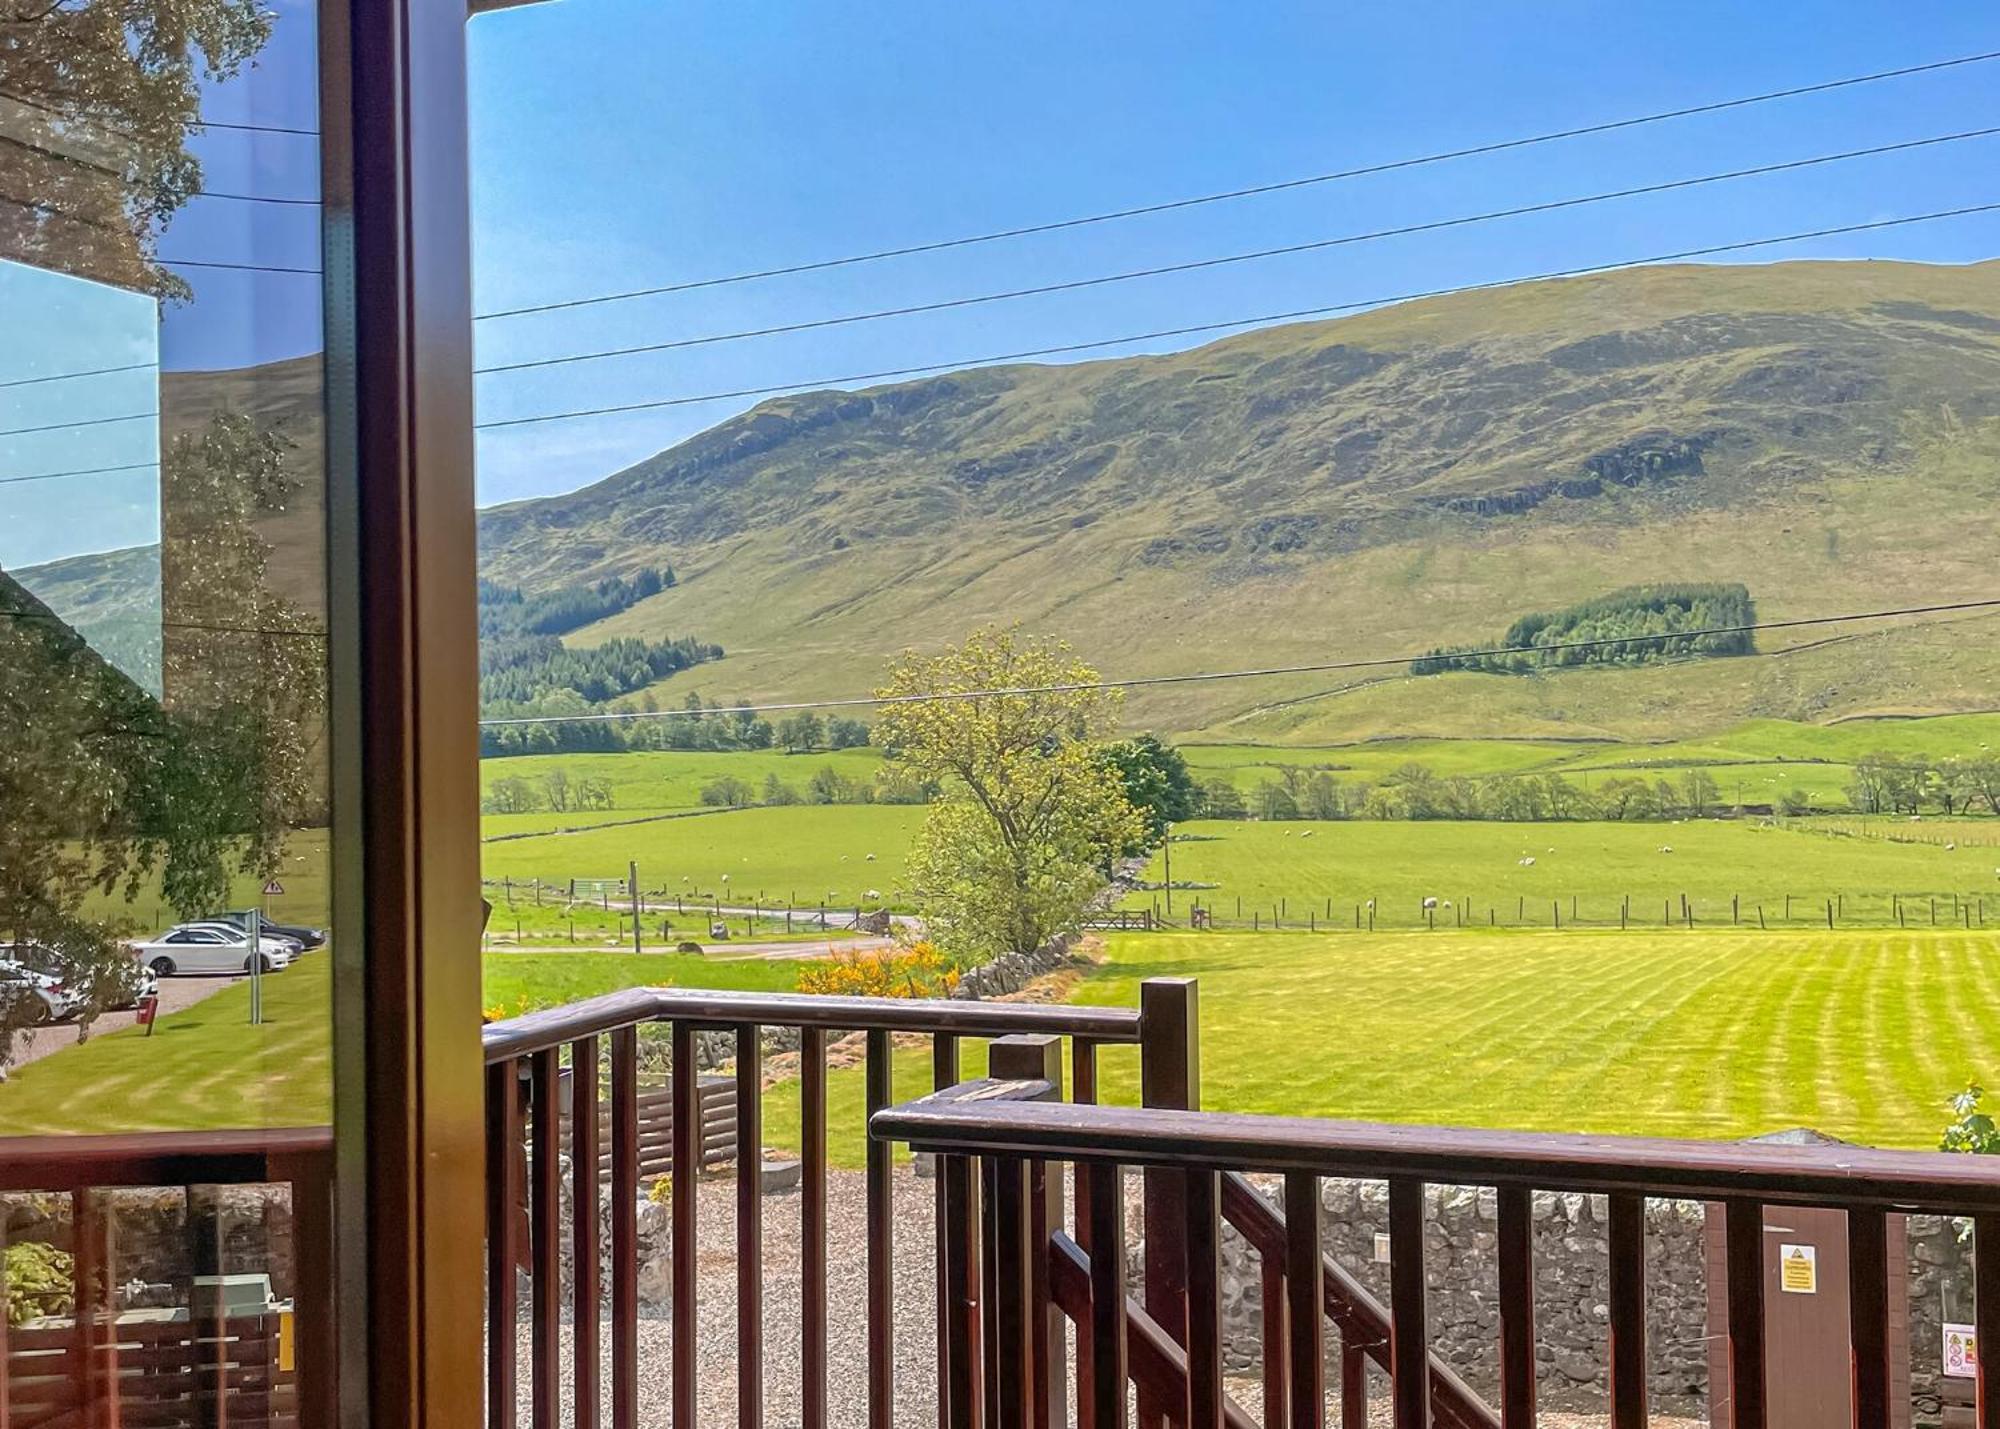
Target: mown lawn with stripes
<point x="1710" y="1034"/>
<point x="1858" y="1033"/>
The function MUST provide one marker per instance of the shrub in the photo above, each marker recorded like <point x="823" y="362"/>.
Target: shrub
<point x="41" y="1280"/>
<point x="917" y="971"/>
<point x="1972" y="1130"/>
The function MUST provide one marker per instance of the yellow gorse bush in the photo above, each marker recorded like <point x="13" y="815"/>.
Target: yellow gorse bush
<point x="919" y="970"/>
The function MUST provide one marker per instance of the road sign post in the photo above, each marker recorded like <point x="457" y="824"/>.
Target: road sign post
<point x="255" y="920"/>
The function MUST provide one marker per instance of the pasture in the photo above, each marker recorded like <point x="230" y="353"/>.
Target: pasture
<point x="1862" y="1034"/>
<point x="1292" y="870"/>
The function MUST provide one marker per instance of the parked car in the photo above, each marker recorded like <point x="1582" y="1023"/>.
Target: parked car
<point x="35" y="997"/>
<point x="117" y="983"/>
<point x="306" y="938"/>
<point x="289" y="944"/>
<point x="211" y="948"/>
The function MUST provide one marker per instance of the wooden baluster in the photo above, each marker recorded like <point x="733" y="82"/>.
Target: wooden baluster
<point x="1516" y="1211"/>
<point x="584" y="1248"/>
<point x="881" y="1193"/>
<point x="1012" y="1365"/>
<point x="749" y="1228"/>
<point x="625" y="1228"/>
<point x="687" y="1167"/>
<point x="1409" y="1349"/>
<point x="1305" y="1286"/>
<point x="1036" y="1058"/>
<point x="1744" y="1252"/>
<point x="955" y="1177"/>
<point x="1627" y="1239"/>
<point x="1276" y="1340"/>
<point x="1083" y="1091"/>
<point x="1204" y="1296"/>
<point x="944" y="1073"/>
<point x="503" y="1239"/>
<point x="96" y="1343"/>
<point x="1105" y="1216"/>
<point x="1868" y="1316"/>
<point x="812" y="1226"/>
<point x="1169" y="1076"/>
<point x="1353" y="1386"/>
<point x="989" y="1296"/>
<point x="544" y="1245"/>
<point x="1986" y="1318"/>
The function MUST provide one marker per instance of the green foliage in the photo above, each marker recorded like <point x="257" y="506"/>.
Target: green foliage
<point x="1020" y="841"/>
<point x="1970" y="1130"/>
<point x="41" y="1280"/>
<point x="728" y="792"/>
<point x="1156" y="781"/>
<point x="506" y="611"/>
<point x="1642" y="625"/>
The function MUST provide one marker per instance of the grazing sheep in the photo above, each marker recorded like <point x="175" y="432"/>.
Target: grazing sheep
<point x="1666" y="848"/>
<point x="1307" y="834"/>
<point x="871" y="895"/>
<point x="1528" y="862"/>
<point x="1948" y="848"/>
<point x="871" y="858"/>
<point x="1429" y="904"/>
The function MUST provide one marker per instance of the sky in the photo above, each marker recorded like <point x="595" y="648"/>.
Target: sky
<point x="629" y="143"/>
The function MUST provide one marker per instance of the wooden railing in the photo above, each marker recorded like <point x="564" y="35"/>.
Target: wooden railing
<point x="192" y="1365"/>
<point x="1173" y="1350"/>
<point x="525" y="1103"/>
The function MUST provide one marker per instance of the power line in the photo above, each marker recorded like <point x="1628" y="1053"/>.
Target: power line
<point x="306" y="633"/>
<point x="1193" y="329"/>
<point x="88" y="372"/>
<point x="1463" y="220"/>
<point x="1213" y="676"/>
<point x="65" y="426"/>
<point x="122" y="230"/>
<point x="87" y="471"/>
<point x="1388" y="166"/>
<point x="74" y="117"/>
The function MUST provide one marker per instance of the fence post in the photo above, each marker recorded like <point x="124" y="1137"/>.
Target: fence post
<point x="1169" y="1076"/>
<point x="632" y="875"/>
<point x="1038" y="1058"/>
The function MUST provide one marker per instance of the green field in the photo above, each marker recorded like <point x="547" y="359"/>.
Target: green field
<point x="1702" y="1034"/>
<point x="1478" y="866"/>
<point x="801" y="854"/>
<point x="671" y="778"/>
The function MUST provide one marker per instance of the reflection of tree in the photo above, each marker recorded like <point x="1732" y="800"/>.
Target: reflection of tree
<point x="96" y="101"/>
<point x="245" y="669"/>
<point x="102" y="785"/>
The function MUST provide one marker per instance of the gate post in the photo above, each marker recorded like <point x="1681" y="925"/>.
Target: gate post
<point x="1169" y="1077"/>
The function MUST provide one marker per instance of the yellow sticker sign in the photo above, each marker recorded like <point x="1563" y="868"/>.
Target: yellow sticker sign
<point x="1798" y="1269"/>
<point x="287" y="1343"/>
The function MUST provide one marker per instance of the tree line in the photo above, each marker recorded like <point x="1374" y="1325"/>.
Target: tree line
<point x="1416" y="791"/>
<point x="1637" y="625"/>
<point x="1917" y="783"/>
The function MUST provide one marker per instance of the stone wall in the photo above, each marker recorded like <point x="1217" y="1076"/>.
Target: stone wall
<point x="1572" y="1285"/>
<point x="1011" y="972"/>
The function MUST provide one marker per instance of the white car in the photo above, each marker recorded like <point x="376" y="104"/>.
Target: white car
<point x="41" y="997"/>
<point x="210" y="948"/>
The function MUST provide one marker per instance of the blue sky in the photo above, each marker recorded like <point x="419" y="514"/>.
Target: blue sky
<point x="621" y="143"/>
<point x="624" y="143"/>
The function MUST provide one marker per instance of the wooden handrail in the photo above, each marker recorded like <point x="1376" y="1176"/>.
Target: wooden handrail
<point x="556" y="1026"/>
<point x="161" y="1158"/>
<point x="1681" y="1170"/>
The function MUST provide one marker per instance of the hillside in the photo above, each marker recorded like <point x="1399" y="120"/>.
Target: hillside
<point x="1825" y="433"/>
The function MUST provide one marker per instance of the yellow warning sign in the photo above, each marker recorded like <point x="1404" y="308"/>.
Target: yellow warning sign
<point x="287" y="1343"/>
<point x="1798" y="1269"/>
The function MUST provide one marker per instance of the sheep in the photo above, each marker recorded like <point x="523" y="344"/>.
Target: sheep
<point x="1429" y="904"/>
<point x="872" y="895"/>
<point x="871" y="858"/>
<point x="1528" y="862"/>
<point x="1666" y="848"/>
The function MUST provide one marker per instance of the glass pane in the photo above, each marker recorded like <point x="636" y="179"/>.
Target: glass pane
<point x="161" y="479"/>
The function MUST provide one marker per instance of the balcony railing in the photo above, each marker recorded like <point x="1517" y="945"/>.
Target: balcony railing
<point x="200" y="1359"/>
<point x="1020" y="1142"/>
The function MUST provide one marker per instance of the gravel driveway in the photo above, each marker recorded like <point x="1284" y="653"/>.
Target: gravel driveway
<point x="176" y="995"/>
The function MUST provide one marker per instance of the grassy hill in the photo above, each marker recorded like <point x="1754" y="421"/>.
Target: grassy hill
<point x="1825" y="433"/>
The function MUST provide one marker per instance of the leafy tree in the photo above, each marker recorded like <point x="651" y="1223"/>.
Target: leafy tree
<point x="593" y="794"/>
<point x="801" y="733"/>
<point x="104" y="94"/>
<point x="1322" y="798"/>
<point x="777" y="792"/>
<point x="1625" y="797"/>
<point x="728" y="792"/>
<point x="1017" y="846"/>
<point x="1272" y="800"/>
<point x="846" y="734"/>
<point x="1156" y="782"/>
<point x="1221" y="799"/>
<point x="896" y="785"/>
<point x="511" y="794"/>
<point x="1794" y="802"/>
<point x="1699" y="794"/>
<point x="555" y="785"/>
